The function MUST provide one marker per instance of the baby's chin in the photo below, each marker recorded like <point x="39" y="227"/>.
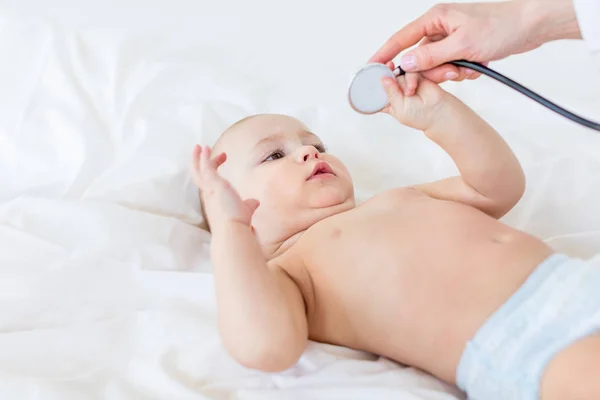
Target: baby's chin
<point x="285" y="227"/>
<point x="328" y="197"/>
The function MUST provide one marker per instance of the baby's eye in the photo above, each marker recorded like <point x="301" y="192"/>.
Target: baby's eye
<point x="277" y="154"/>
<point x="320" y="147"/>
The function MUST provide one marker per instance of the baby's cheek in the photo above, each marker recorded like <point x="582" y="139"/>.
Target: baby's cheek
<point x="277" y="187"/>
<point x="246" y="188"/>
<point x="280" y="191"/>
<point x="259" y="187"/>
<point x="341" y="168"/>
<point x="270" y="186"/>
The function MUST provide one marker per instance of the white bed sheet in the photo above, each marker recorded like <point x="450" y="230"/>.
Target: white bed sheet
<point x="106" y="289"/>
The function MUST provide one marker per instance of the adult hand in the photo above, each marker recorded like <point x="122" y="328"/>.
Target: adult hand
<point x="479" y="32"/>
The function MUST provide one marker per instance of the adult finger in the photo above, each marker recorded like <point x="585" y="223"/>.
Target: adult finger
<point x="468" y="72"/>
<point x="443" y="73"/>
<point x="406" y="37"/>
<point x="449" y="72"/>
<point x="432" y="54"/>
<point x="475" y="74"/>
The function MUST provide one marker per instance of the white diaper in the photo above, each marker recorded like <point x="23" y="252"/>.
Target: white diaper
<point x="557" y="305"/>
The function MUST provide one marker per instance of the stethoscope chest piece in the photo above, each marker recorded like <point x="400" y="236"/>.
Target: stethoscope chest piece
<point x="366" y="94"/>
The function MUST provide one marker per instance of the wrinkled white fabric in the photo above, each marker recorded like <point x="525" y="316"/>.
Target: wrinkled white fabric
<point x="106" y="288"/>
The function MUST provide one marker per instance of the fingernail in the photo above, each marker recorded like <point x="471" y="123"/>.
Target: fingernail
<point x="408" y="62"/>
<point x="451" y="75"/>
<point x="387" y="82"/>
<point x="469" y="71"/>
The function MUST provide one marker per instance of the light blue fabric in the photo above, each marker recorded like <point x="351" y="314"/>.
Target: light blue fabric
<point x="557" y="305"/>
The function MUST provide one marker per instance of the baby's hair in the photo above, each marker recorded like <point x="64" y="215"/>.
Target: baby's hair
<point x="239" y="122"/>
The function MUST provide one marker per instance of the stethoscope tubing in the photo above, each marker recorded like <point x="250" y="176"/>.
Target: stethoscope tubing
<point x="521" y="89"/>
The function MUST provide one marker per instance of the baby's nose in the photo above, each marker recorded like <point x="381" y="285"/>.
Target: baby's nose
<point x="308" y="152"/>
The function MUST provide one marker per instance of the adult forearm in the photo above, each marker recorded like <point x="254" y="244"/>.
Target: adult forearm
<point x="549" y="20"/>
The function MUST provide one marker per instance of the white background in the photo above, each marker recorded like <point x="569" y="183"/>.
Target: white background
<point x="105" y="284"/>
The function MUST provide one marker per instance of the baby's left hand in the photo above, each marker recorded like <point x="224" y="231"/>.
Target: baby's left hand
<point x="419" y="111"/>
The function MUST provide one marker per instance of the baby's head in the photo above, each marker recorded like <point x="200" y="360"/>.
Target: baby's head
<point x="276" y="160"/>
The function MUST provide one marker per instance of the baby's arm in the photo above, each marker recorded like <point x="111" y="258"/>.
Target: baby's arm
<point x="261" y="315"/>
<point x="262" y="319"/>
<point x="491" y="177"/>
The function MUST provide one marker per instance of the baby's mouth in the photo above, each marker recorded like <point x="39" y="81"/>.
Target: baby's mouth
<point x="321" y="170"/>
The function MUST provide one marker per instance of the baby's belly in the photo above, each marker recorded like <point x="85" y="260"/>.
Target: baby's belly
<point x="413" y="287"/>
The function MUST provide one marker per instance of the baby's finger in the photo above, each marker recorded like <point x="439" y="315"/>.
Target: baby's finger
<point x="218" y="160"/>
<point x="401" y="81"/>
<point x="390" y="65"/>
<point x="195" y="165"/>
<point x="196" y="158"/>
<point x="207" y="171"/>
<point x="252" y="205"/>
<point x="411" y="82"/>
<point x="394" y="94"/>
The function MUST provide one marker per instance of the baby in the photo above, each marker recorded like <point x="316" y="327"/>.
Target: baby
<point x="425" y="275"/>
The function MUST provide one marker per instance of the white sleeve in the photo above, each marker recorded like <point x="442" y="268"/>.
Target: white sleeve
<point x="588" y="17"/>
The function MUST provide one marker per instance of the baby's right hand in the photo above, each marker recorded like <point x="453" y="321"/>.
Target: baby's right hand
<point x="221" y="201"/>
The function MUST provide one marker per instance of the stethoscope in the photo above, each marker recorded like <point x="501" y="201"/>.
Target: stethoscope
<point x="367" y="96"/>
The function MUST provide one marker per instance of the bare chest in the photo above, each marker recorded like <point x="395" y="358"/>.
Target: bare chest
<point x="390" y="275"/>
<point x="395" y="231"/>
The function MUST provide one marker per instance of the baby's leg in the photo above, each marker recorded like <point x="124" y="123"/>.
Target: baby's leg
<point x="574" y="373"/>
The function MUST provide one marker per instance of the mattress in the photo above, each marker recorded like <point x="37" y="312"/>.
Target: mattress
<point x="106" y="290"/>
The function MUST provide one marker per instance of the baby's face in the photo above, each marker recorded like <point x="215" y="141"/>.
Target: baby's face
<point x="278" y="161"/>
